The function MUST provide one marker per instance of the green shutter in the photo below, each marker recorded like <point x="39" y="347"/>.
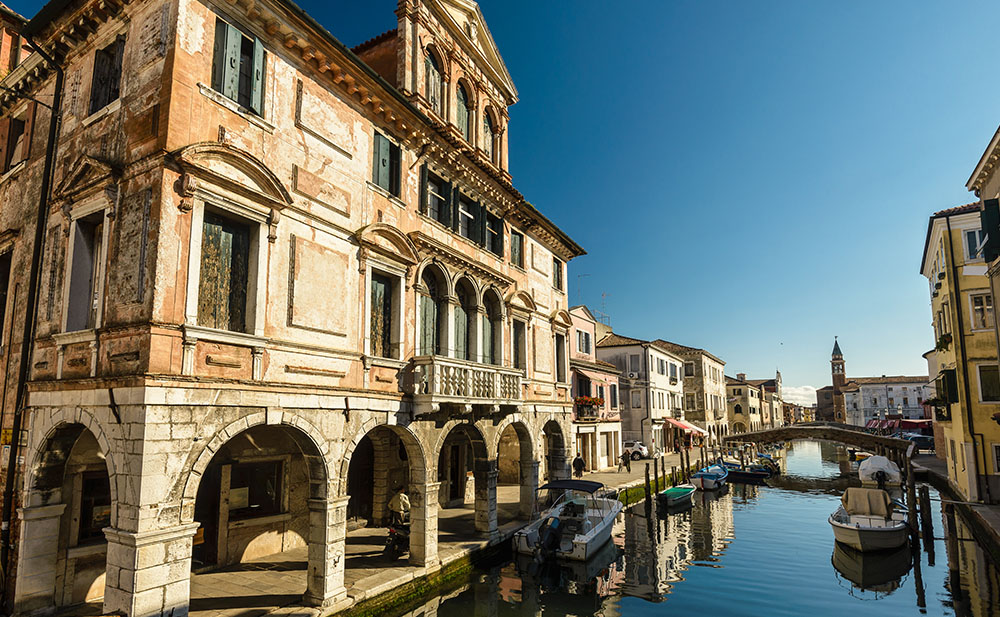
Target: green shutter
<point x="231" y="71"/>
<point x="499" y="246"/>
<point x="423" y="205"/>
<point x="257" y="87"/>
<point x="990" y="221"/>
<point x="461" y="333"/>
<point x="381" y="173"/>
<point x="456" y="197"/>
<point x="219" y="55"/>
<point x="481" y="223"/>
<point x="428" y="326"/>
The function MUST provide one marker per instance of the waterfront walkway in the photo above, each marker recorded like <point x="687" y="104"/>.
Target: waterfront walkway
<point x="989" y="515"/>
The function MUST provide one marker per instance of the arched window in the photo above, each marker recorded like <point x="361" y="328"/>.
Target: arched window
<point x="738" y="409"/>
<point x="492" y="336"/>
<point x="463" y="315"/>
<point x="430" y="315"/>
<point x="434" y="83"/>
<point x="463" y="117"/>
<point x="488" y="135"/>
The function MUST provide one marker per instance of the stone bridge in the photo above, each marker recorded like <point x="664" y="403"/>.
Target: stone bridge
<point x="827" y="431"/>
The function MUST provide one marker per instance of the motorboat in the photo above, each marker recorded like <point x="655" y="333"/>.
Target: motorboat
<point x="879" y="572"/>
<point x="747" y="474"/>
<point x="710" y="478"/>
<point x="576" y="523"/>
<point x="858" y="455"/>
<point x="880" y="472"/>
<point x="869" y="520"/>
<point x="675" y="495"/>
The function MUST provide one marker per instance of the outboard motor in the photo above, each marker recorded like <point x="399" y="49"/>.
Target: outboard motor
<point x="549" y="536"/>
<point x="397" y="542"/>
<point x="880" y="479"/>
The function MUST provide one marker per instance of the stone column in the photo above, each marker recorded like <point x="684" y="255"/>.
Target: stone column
<point x="424" y="524"/>
<point x="486" y="496"/>
<point x="558" y="465"/>
<point x="327" y="545"/>
<point x="36" y="568"/>
<point x="381" y="491"/>
<point x="149" y="572"/>
<point x="529" y="484"/>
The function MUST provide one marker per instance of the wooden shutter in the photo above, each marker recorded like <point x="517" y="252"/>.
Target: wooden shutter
<point x="499" y="246"/>
<point x="29" y="128"/>
<point x="480" y="231"/>
<point x="461" y="333"/>
<point x="219" y="55"/>
<point x="423" y="205"/>
<point x="231" y="70"/>
<point x="222" y="288"/>
<point x="489" y="354"/>
<point x="428" y="326"/>
<point x="463" y="112"/>
<point x="257" y="82"/>
<point x="4" y="142"/>
<point x="990" y="217"/>
<point x="456" y="198"/>
<point x="115" y="71"/>
<point x="381" y="172"/>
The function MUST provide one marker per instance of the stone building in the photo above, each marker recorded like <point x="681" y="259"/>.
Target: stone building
<point x="704" y="389"/>
<point x="274" y="281"/>
<point x="887" y="397"/>
<point x="830" y="399"/>
<point x="744" y="401"/>
<point x="597" y="428"/>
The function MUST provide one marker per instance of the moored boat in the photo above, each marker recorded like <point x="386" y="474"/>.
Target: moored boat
<point x="878" y="471"/>
<point x="576" y="524"/>
<point x="675" y="495"/>
<point x="710" y="478"/>
<point x="868" y="520"/>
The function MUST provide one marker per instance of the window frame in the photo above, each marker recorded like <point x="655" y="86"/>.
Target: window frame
<point x="979" y="382"/>
<point x="258" y="83"/>
<point x="84" y="211"/>
<point x="965" y="244"/>
<point x="989" y="316"/>
<point x="517" y="257"/>
<point x="116" y="60"/>
<point x="280" y="506"/>
<point x="558" y="278"/>
<point x="387" y="154"/>
<point x="519" y="348"/>
<point x="396" y="274"/>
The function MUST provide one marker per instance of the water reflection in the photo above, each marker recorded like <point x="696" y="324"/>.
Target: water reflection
<point x="750" y="550"/>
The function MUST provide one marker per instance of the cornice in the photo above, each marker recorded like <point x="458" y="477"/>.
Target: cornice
<point x="459" y="260"/>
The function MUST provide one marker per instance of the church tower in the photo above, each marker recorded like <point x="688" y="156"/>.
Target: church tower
<point x="839" y="381"/>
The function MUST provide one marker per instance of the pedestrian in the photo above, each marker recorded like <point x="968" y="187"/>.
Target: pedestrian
<point x="578" y="465"/>
<point x="625" y="460"/>
<point x="399" y="508"/>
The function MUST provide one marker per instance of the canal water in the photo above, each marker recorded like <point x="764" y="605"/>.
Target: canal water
<point x="749" y="551"/>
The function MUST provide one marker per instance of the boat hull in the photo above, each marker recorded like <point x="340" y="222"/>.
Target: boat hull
<point x="867" y="539"/>
<point x="673" y="498"/>
<point x="583" y="546"/>
<point x="708" y="483"/>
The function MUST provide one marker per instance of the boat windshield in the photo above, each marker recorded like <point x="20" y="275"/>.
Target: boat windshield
<point x="585" y="501"/>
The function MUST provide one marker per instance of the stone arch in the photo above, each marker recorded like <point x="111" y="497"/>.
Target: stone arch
<point x="561" y="318"/>
<point x="482" y="448"/>
<point x="415" y="452"/>
<point x="388" y="241"/>
<point x="437" y="270"/>
<point x="520" y="425"/>
<point x="491" y="294"/>
<point x="62" y="428"/>
<point x="522" y="299"/>
<point x="231" y="167"/>
<point x="305" y="435"/>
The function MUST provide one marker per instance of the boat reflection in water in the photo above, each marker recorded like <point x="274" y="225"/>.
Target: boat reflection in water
<point x="879" y="573"/>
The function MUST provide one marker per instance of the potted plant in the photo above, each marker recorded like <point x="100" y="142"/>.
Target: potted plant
<point x="943" y="342"/>
<point x="587" y="405"/>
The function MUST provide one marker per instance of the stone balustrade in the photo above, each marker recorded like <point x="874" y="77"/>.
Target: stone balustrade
<point x="459" y="384"/>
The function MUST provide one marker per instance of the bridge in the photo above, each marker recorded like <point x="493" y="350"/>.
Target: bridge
<point x="828" y="431"/>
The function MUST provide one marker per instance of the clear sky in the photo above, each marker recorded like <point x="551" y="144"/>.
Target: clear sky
<point x="748" y="177"/>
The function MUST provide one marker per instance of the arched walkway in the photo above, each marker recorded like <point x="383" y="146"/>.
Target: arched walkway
<point x="70" y="498"/>
<point x="517" y="477"/>
<point x="467" y="494"/>
<point x="555" y="456"/>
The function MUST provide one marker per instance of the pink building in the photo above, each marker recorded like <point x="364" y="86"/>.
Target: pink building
<point x="597" y="428"/>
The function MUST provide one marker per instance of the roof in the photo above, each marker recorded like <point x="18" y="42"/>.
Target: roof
<point x="11" y="14"/>
<point x="987" y="162"/>
<point x="617" y="340"/>
<point x="966" y="209"/>
<point x="600" y="365"/>
<point x="836" y="348"/>
<point x="587" y="486"/>
<point x="684" y="349"/>
<point x="890" y="379"/>
<point x="372" y="42"/>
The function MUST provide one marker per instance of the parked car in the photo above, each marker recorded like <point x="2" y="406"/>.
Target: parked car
<point x="922" y="442"/>
<point x="636" y="450"/>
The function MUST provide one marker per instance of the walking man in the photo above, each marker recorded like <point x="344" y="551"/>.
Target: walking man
<point x="578" y="465"/>
<point x="625" y="461"/>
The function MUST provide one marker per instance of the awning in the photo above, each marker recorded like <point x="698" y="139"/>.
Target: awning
<point x="677" y="423"/>
<point x="692" y="427"/>
<point x="872" y="424"/>
<point x="923" y="423"/>
<point x="597" y="377"/>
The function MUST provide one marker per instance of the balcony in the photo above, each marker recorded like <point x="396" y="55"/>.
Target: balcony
<point x="448" y="384"/>
<point x="586" y="413"/>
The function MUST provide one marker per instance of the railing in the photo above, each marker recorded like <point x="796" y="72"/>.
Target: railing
<point x="439" y="380"/>
<point x="587" y="413"/>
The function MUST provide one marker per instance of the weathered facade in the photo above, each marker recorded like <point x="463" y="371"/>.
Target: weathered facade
<point x="597" y="427"/>
<point x="704" y="389"/>
<point x="279" y="282"/>
<point x="882" y="398"/>
<point x="744" y="401"/>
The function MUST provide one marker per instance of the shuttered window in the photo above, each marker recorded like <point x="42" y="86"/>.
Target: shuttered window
<point x="437" y="194"/>
<point x="86" y="272"/>
<point x="489" y="349"/>
<point x="517" y="249"/>
<point x="520" y="345"/>
<point x="238" y="66"/>
<point x="433" y="83"/>
<point x="462" y="314"/>
<point x="494" y="235"/>
<point x="468" y="218"/>
<point x="463" y="116"/>
<point x="381" y="316"/>
<point x="386" y="170"/>
<point x="222" y="290"/>
<point x="488" y="135"/>
<point x="557" y="273"/>
<point x="106" y="84"/>
<point x="429" y="317"/>
<point x="560" y="358"/>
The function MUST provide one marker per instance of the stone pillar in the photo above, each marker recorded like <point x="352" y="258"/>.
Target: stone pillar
<point x="529" y="484"/>
<point x="382" y="492"/>
<point x="149" y="572"/>
<point x="424" y="524"/>
<point x="486" y="496"/>
<point x="559" y="465"/>
<point x="327" y="545"/>
<point x="36" y="568"/>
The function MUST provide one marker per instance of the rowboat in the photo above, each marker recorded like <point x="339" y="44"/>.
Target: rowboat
<point x="576" y="524"/>
<point x="868" y="520"/>
<point x="710" y="478"/>
<point x="675" y="495"/>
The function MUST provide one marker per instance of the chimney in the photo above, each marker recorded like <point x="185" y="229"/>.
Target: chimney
<point x="741" y="376"/>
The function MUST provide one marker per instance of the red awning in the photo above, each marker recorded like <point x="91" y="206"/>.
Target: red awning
<point x="677" y="423"/>
<point x="915" y="423"/>
<point x="872" y="424"/>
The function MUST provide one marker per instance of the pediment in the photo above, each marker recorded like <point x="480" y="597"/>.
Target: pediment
<point x="561" y="318"/>
<point x="522" y="300"/>
<point x="466" y="22"/>
<point x="85" y="173"/>
<point x="233" y="169"/>
<point x="388" y="241"/>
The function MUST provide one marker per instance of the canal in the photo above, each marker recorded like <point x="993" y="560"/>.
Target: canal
<point x="754" y="551"/>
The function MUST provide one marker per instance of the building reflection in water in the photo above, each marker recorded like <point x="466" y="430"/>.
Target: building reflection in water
<point x="973" y="578"/>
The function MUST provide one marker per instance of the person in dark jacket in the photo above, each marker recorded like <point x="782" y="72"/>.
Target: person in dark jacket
<point x="578" y="465"/>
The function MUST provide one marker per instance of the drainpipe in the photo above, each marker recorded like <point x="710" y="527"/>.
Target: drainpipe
<point x="956" y="297"/>
<point x="30" y="313"/>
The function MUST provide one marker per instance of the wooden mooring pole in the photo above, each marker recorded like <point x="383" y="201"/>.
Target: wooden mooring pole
<point x="911" y="495"/>
<point x="673" y="475"/>
<point x="648" y="497"/>
<point x="656" y="476"/>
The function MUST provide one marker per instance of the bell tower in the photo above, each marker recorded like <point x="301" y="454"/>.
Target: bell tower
<point x="839" y="381"/>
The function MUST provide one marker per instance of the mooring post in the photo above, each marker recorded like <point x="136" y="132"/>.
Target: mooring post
<point x="926" y="522"/>
<point x="743" y="461"/>
<point x="656" y="476"/>
<point x="648" y="502"/>
<point x="673" y="475"/>
<point x="911" y="495"/>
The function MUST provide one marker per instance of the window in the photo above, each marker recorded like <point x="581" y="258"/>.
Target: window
<point x="86" y="272"/>
<point x="636" y="399"/>
<point x="95" y="506"/>
<point x="662" y="406"/>
<point x="222" y="290"/>
<point x="434" y="83"/>
<point x="560" y="358"/>
<point x="105" y="87"/>
<point x="437" y="197"/>
<point x="494" y="235"/>
<point x="488" y="136"/>
<point x="600" y="392"/>
<point x="463" y="115"/>
<point x="874" y="401"/>
<point x="15" y="52"/>
<point x="689" y="369"/>
<point x="673" y="371"/>
<point x="431" y="304"/>
<point x="689" y="401"/>
<point x="492" y="332"/>
<point x="381" y="316"/>
<point x="738" y="408"/>
<point x="255" y="489"/>
<point x="517" y="249"/>
<point x="15" y="137"/>
<point x="386" y="170"/>
<point x="892" y="402"/>
<point x="5" y="262"/>
<point x="557" y="273"/>
<point x="582" y="341"/>
<point x="633" y="363"/>
<point x="989" y="383"/>
<point x="661" y="366"/>
<point x="982" y="311"/>
<point x="973" y="244"/>
<point x="906" y="401"/>
<point x="520" y="348"/>
<point x="463" y="316"/>
<point x="468" y="218"/>
<point x="238" y="67"/>
<point x="613" y="391"/>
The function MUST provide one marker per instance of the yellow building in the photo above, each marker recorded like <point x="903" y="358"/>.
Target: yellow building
<point x="965" y="351"/>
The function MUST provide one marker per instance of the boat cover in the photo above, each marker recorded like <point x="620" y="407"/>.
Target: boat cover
<point x="587" y="486"/>
<point x="872" y="464"/>
<point x="867" y="502"/>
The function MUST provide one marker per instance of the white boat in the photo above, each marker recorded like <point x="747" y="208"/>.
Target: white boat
<point x="878" y="471"/>
<point x="868" y="520"/>
<point x="710" y="478"/>
<point x="576" y="524"/>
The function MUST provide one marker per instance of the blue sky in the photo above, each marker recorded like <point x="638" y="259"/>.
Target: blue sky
<point x="748" y="177"/>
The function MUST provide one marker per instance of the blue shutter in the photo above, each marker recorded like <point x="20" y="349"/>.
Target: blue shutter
<point x="231" y="70"/>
